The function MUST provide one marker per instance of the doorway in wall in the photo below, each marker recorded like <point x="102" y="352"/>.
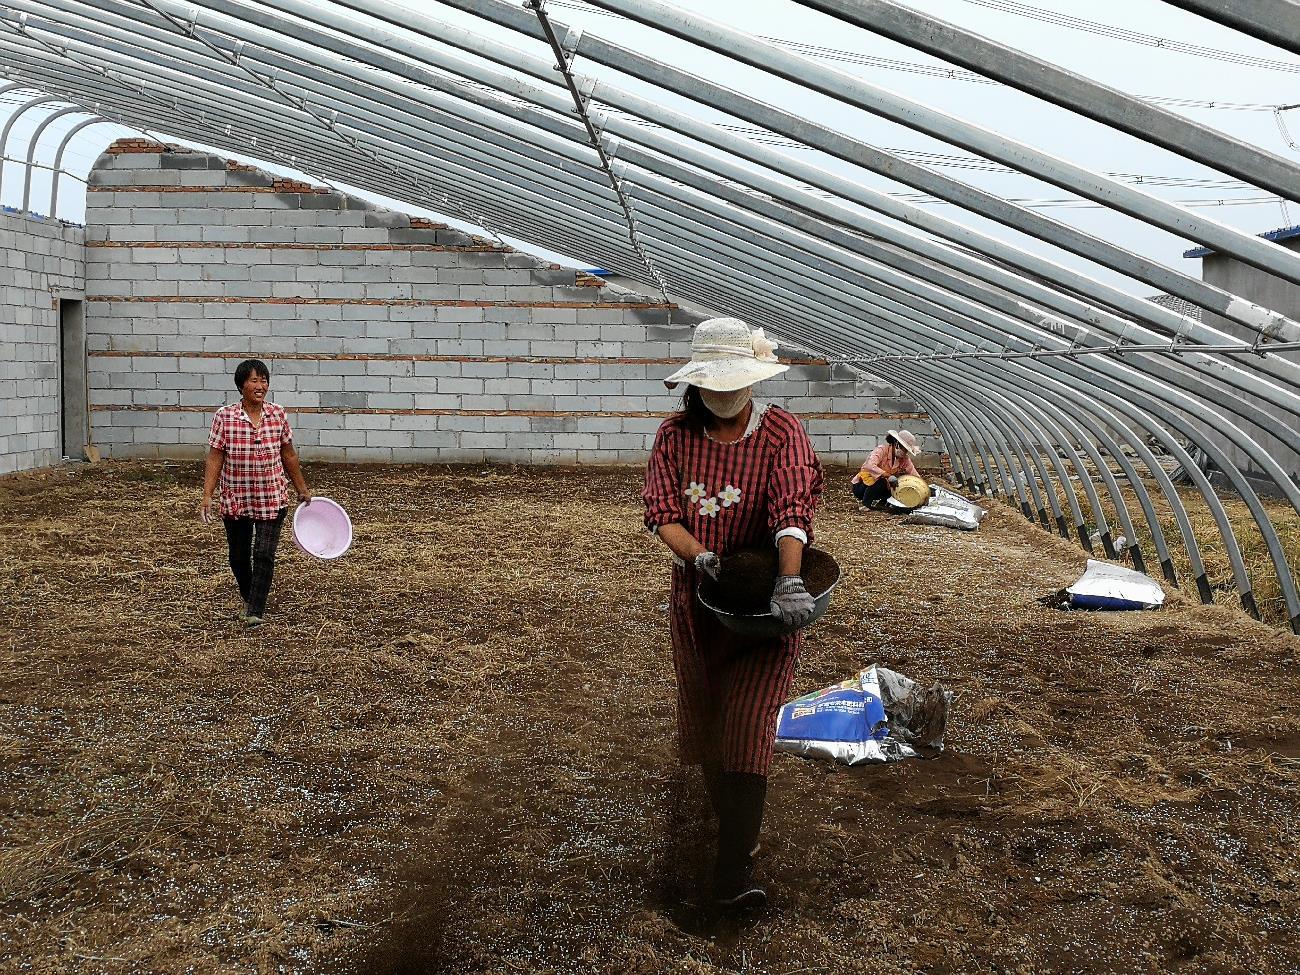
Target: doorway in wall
<point x="73" y="406"/>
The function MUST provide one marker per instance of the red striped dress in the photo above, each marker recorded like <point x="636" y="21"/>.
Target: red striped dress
<point x="730" y="496"/>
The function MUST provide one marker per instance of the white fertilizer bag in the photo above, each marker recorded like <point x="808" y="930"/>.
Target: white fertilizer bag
<point x="948" y="509"/>
<point x="1108" y="586"/>
<point x="877" y="716"/>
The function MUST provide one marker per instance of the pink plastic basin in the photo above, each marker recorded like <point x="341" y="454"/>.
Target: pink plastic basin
<point x="322" y="529"/>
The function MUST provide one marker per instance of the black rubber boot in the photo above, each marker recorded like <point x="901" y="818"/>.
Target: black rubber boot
<point x="739" y="821"/>
<point x="712" y="772"/>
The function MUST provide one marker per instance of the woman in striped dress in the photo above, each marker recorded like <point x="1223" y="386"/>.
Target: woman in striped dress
<point x="727" y="473"/>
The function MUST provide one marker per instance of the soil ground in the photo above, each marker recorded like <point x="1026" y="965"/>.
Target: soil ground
<point x="452" y="750"/>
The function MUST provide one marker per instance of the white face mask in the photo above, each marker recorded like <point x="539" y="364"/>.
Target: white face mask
<point x="726" y="405"/>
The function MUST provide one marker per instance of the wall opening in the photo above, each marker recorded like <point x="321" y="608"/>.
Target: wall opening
<point x="73" y="407"/>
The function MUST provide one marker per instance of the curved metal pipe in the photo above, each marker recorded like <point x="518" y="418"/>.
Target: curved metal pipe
<point x="1144" y="500"/>
<point x="8" y="127"/>
<point x="297" y="29"/>
<point x="32" y="145"/>
<point x="57" y="170"/>
<point x="1022" y="433"/>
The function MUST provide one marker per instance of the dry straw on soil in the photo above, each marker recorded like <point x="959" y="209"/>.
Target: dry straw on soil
<point x="452" y="750"/>
<point x="1266" y="587"/>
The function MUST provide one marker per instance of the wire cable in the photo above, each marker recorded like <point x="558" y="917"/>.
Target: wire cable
<point x="1133" y="37"/>
<point x="972" y="77"/>
<point x="1172" y="349"/>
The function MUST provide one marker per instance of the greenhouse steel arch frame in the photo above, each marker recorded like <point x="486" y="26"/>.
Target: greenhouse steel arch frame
<point x="1038" y="376"/>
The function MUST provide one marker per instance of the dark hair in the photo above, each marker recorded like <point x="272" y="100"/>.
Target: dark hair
<point x="247" y="368"/>
<point x="693" y="409"/>
<point x="892" y="442"/>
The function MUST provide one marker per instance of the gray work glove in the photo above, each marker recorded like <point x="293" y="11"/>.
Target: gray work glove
<point x="791" y="603"/>
<point x="709" y="564"/>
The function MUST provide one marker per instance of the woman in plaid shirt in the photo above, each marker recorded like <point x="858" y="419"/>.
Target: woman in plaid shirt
<point x="729" y="473"/>
<point x="249" y="450"/>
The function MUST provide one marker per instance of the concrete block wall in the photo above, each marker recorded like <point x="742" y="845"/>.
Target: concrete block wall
<point x="40" y="260"/>
<point x="1282" y="296"/>
<point x="390" y="338"/>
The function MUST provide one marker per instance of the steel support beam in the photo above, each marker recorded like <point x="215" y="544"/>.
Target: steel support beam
<point x="9" y="125"/>
<point x="33" y="143"/>
<point x="851" y="90"/>
<point x="57" y="172"/>
<point x="1069" y="90"/>
<point x="1274" y="21"/>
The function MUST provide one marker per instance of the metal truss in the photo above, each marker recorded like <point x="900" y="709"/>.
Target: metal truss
<point x="1046" y="383"/>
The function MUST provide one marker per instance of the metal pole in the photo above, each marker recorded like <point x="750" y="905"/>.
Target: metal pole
<point x="1069" y="90"/>
<point x="852" y="90"/>
<point x="33" y="143"/>
<point x="58" y="160"/>
<point x="8" y="127"/>
<point x="1274" y="21"/>
<point x="563" y="64"/>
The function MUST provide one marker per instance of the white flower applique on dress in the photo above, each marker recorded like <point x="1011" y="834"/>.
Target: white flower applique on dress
<point x="729" y="495"/>
<point x="710" y="507"/>
<point x="696" y="492"/>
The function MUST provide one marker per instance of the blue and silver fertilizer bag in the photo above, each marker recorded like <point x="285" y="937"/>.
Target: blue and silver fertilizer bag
<point x="877" y="716"/>
<point x="1108" y="586"/>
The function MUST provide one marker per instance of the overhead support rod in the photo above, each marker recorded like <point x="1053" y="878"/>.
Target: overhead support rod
<point x="58" y="171"/>
<point x="1275" y="21"/>
<point x="1174" y="349"/>
<point x="564" y="64"/>
<point x="271" y="82"/>
<point x="1069" y="90"/>
<point x="854" y="91"/>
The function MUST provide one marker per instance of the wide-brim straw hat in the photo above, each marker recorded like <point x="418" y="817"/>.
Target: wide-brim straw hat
<point x="908" y="442"/>
<point x="726" y="355"/>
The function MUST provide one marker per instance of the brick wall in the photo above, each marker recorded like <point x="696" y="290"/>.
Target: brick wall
<point x="39" y="260"/>
<point x="390" y="338"/>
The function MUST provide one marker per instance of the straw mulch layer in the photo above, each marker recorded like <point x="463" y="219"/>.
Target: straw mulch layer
<point x="451" y="752"/>
<point x="1265" y="585"/>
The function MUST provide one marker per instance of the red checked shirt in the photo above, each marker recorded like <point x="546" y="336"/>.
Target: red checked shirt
<point x="253" y="484"/>
<point x="734" y="495"/>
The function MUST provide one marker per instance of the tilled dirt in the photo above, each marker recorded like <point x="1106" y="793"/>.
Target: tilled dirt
<point x="451" y="751"/>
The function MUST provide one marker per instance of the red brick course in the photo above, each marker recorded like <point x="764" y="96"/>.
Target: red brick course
<point x="123" y="408"/>
<point x="124" y="147"/>
<point x="406" y="302"/>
